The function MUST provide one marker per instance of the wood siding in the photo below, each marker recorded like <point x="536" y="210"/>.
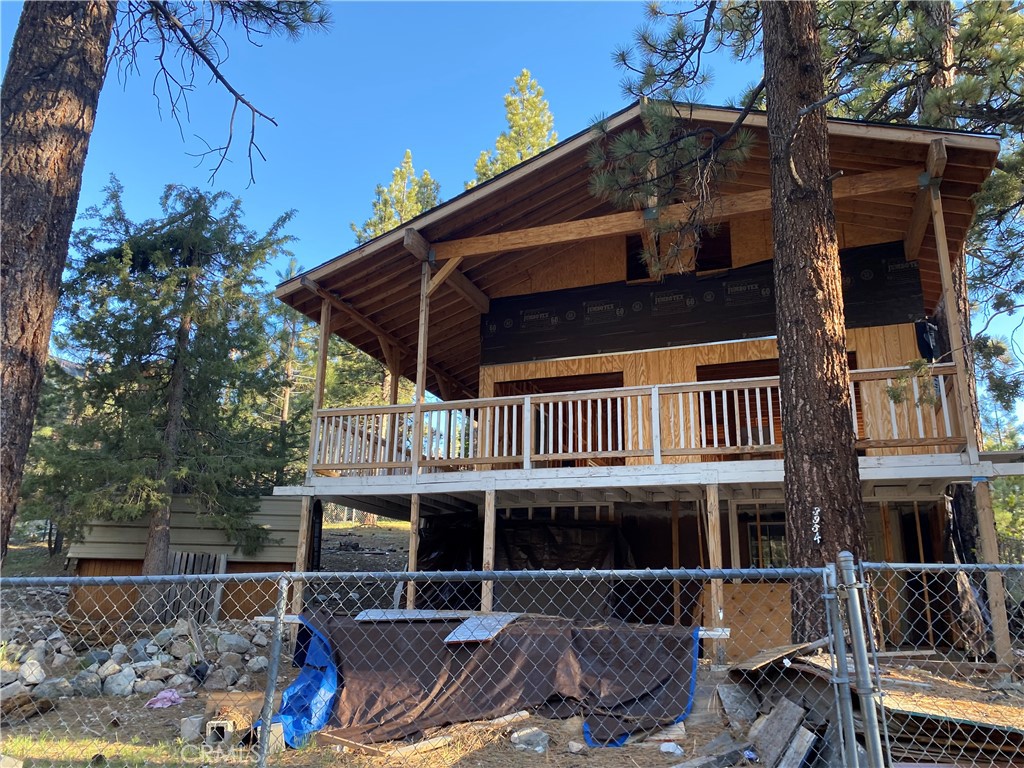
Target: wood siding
<point x="126" y="541"/>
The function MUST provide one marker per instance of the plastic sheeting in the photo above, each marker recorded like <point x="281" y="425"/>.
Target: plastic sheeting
<point x="400" y="678"/>
<point x="307" y="703"/>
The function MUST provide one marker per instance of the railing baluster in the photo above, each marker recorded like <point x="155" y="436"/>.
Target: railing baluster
<point x="895" y="433"/>
<point x="725" y="416"/>
<point x="714" y="418"/>
<point x="527" y="433"/>
<point x="853" y="410"/>
<point x="945" y="406"/>
<point x="917" y="406"/>
<point x="771" y="414"/>
<point x="641" y="445"/>
<point x="703" y="422"/>
<point x="760" y="419"/>
<point x="656" y="424"/>
<point x="746" y="406"/>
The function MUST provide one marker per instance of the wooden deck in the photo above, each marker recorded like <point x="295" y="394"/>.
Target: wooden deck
<point x="894" y="414"/>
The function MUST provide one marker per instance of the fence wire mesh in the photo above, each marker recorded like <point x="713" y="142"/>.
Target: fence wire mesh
<point x="490" y="669"/>
<point x="949" y="661"/>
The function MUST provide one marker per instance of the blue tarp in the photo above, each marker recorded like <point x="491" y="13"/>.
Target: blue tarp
<point x="307" y="704"/>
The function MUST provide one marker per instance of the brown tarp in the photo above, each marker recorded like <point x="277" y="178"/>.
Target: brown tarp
<point x="400" y="678"/>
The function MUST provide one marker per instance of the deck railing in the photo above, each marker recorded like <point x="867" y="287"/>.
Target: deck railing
<point x="893" y="412"/>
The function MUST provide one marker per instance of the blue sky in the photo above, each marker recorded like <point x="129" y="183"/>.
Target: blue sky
<point x="387" y="77"/>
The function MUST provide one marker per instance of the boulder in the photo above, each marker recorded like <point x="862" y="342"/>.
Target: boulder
<point x="120" y="684"/>
<point x="180" y="649"/>
<point x="231" y="659"/>
<point x="89" y="658"/>
<point x="87" y="684"/>
<point x="258" y="664"/>
<point x="221" y="679"/>
<point x="180" y="681"/>
<point x="119" y="652"/>
<point x="108" y="668"/>
<point x="31" y="672"/>
<point x="192" y="728"/>
<point x="7" y="676"/>
<point x="138" y="650"/>
<point x="159" y="673"/>
<point x="53" y="688"/>
<point x="260" y="640"/>
<point x="13" y="690"/>
<point x="59" y="660"/>
<point x="232" y="643"/>
<point x="163" y="638"/>
<point x="148" y="687"/>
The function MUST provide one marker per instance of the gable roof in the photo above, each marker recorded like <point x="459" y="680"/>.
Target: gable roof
<point x="375" y="287"/>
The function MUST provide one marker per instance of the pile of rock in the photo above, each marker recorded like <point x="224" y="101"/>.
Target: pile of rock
<point x="40" y="660"/>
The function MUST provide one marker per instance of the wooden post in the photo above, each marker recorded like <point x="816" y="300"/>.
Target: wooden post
<point x="414" y="546"/>
<point x="734" y="538"/>
<point x="487" y="587"/>
<point x="318" y="385"/>
<point x="924" y="577"/>
<point x="891" y="594"/>
<point x="677" y="607"/>
<point x="421" y="369"/>
<point x="993" y="581"/>
<point x="714" y="522"/>
<point x="983" y="498"/>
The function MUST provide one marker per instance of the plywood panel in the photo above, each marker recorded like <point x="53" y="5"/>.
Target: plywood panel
<point x="591" y="262"/>
<point x="757" y="615"/>
<point x="751" y="239"/>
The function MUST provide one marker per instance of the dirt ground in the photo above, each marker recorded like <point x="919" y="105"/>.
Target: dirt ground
<point x="352" y="547"/>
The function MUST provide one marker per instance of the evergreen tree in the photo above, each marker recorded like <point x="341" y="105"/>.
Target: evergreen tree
<point x="405" y="198"/>
<point x="56" y="68"/>
<point x="530" y="130"/>
<point x="165" y="318"/>
<point x="824" y="511"/>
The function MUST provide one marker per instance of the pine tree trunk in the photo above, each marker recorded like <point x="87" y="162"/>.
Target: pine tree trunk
<point x="824" y="511"/>
<point x="50" y="90"/>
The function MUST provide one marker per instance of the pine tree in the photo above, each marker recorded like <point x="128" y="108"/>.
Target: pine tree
<point x="405" y="198"/>
<point x="530" y="130"/>
<point x="165" y="317"/>
<point x="56" y="68"/>
<point x="824" y="510"/>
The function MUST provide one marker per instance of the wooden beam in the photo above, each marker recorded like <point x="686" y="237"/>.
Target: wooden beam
<point x="421" y="369"/>
<point x="935" y="166"/>
<point x="421" y="248"/>
<point x="319" y="378"/>
<point x="380" y="332"/>
<point x="414" y="545"/>
<point x="487" y="564"/>
<point x="443" y="274"/>
<point x="714" y="523"/>
<point x="953" y="324"/>
<point x="631" y="222"/>
<point x="993" y="580"/>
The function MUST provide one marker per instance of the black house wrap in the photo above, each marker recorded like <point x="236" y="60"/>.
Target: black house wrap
<point x="880" y="287"/>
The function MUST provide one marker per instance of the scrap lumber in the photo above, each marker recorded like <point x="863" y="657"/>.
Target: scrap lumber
<point x="798" y="750"/>
<point x="771" y="734"/>
<point x="22" y="706"/>
<point x="740" y="704"/>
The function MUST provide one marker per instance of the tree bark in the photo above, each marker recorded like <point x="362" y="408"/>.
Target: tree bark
<point x="50" y="91"/>
<point x="158" y="540"/>
<point x="824" y="510"/>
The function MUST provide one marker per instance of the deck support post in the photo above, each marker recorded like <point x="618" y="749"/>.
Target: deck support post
<point x="421" y="369"/>
<point x="714" y="528"/>
<point x="414" y="546"/>
<point x="487" y="564"/>
<point x="677" y="605"/>
<point x="983" y="498"/>
<point x="734" y="537"/>
<point x="318" y="384"/>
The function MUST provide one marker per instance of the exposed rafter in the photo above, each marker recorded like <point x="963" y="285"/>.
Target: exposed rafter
<point x="382" y="334"/>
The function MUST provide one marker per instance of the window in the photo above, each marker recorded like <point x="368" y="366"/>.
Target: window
<point x="768" y="545"/>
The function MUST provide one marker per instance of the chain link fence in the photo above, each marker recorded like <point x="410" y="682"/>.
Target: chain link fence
<point x="596" y="668"/>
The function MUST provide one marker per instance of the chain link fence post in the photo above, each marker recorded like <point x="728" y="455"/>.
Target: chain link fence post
<point x="276" y="644"/>
<point x="841" y="679"/>
<point x="862" y="666"/>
